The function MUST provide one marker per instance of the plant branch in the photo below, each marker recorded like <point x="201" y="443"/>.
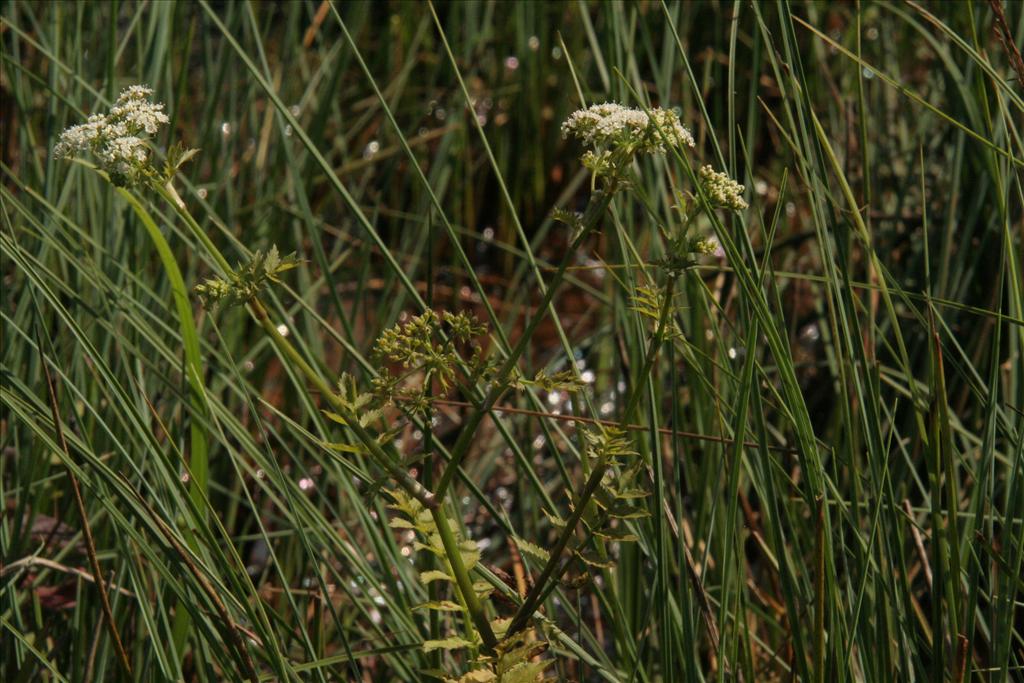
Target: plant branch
<point x="529" y="606"/>
<point x="501" y="380"/>
<point x="538" y="591"/>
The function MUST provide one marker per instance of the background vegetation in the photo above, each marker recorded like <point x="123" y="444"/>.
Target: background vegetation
<point x="833" y="445"/>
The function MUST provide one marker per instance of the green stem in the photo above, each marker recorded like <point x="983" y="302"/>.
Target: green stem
<point x="190" y="341"/>
<point x="529" y="606"/>
<point x="462" y="578"/>
<point x="538" y="592"/>
<point x="502" y="378"/>
<point x="174" y="199"/>
<point x="199" y="445"/>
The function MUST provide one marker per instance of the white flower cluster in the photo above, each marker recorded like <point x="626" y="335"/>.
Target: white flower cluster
<point x="610" y="124"/>
<point x="722" y="190"/>
<point x="114" y="138"/>
<point x="134" y="110"/>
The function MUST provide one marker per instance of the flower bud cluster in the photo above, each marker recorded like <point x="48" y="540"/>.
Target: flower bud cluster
<point x="117" y="139"/>
<point x="722" y="190"/>
<point x="706" y="246"/>
<point x="611" y="125"/>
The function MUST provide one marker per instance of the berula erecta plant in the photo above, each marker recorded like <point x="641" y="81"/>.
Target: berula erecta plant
<point x="435" y="354"/>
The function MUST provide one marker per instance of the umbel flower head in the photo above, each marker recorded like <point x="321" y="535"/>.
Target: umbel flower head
<point x="723" y="191"/>
<point x="118" y="139"/>
<point x="612" y="126"/>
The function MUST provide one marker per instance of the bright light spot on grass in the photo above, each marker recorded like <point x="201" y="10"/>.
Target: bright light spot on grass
<point x="371" y="149"/>
<point x="588" y="376"/>
<point x="282" y="330"/>
<point x="306" y="484"/>
<point x="556" y="52"/>
<point x="202" y="192"/>
<point x="534" y="43"/>
<point x="511" y="62"/>
<point x="225" y="128"/>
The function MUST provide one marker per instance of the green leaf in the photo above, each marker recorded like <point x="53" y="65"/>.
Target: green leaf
<point x="400" y="523"/>
<point x="592" y="559"/>
<point x="434" y="575"/>
<point x="531" y="549"/>
<point x="441" y="606"/>
<point x="475" y="676"/>
<point x="554" y="519"/>
<point x="450" y="643"/>
<point x="526" y="672"/>
<point x="334" y="417"/>
<point x="621" y="534"/>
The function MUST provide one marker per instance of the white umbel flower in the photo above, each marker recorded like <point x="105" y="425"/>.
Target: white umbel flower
<point x="613" y="125"/>
<point x="722" y="190"/>
<point x="123" y="154"/>
<point x="81" y="138"/>
<point x="118" y="139"/>
<point x="136" y="112"/>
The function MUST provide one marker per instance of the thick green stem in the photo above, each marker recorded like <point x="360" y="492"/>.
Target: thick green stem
<point x="198" y="443"/>
<point x="462" y="578"/>
<point x="198" y="452"/>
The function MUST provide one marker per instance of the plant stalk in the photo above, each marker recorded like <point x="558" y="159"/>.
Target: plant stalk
<point x="459" y="450"/>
